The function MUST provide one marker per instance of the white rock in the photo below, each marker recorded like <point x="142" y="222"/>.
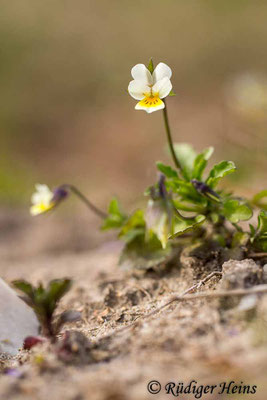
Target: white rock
<point x="17" y="321"/>
<point x="248" y="302"/>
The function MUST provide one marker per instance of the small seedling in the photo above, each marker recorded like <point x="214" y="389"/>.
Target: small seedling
<point x="44" y="302"/>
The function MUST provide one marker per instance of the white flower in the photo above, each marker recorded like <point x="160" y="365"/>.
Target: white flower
<point x="247" y="95"/>
<point x="150" y="88"/>
<point x="42" y="200"/>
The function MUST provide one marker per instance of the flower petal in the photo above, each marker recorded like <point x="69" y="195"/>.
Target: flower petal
<point x="162" y="87"/>
<point x="161" y="71"/>
<point x="141" y="73"/>
<point x="148" y="107"/>
<point x="138" y="89"/>
<point x="42" y="195"/>
<point x="35" y="210"/>
<point x="40" y="187"/>
<point x="41" y="208"/>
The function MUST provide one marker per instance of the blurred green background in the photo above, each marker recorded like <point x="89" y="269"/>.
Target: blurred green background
<point x="65" y="115"/>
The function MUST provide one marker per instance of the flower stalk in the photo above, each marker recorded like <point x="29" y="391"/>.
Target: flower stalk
<point x="169" y="138"/>
<point x="85" y="200"/>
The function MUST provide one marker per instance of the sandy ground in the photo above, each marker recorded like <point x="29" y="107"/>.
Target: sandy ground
<point x="204" y="340"/>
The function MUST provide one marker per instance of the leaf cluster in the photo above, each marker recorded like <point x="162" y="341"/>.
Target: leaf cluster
<point x="189" y="202"/>
<point x="44" y="302"/>
<point x="141" y="250"/>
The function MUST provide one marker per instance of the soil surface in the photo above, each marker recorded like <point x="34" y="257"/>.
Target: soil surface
<point x="115" y="351"/>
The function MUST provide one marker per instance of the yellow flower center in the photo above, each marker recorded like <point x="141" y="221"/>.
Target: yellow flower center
<point x="151" y="100"/>
<point x="41" y="208"/>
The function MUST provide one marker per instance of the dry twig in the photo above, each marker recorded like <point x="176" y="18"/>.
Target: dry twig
<point x="187" y="296"/>
<point x="257" y="255"/>
<point x="192" y="289"/>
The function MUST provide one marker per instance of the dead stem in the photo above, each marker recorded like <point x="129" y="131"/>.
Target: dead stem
<point x="202" y="282"/>
<point x="186" y="296"/>
<point x="193" y="288"/>
<point x="260" y="289"/>
<point x="257" y="255"/>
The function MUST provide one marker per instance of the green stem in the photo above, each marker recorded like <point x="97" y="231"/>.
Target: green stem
<point x="169" y="137"/>
<point x="181" y="206"/>
<point x="91" y="206"/>
<point x="237" y="227"/>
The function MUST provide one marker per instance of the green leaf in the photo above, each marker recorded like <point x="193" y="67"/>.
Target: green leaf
<point x="235" y="212"/>
<point x="186" y="225"/>
<point x="240" y="239"/>
<point x="220" y="239"/>
<point x="260" y="241"/>
<point x="190" y="207"/>
<point x="200" y="163"/>
<point x="24" y="287"/>
<point x="58" y="288"/>
<point x="133" y="227"/>
<point x="40" y="295"/>
<point x="172" y="93"/>
<point x="219" y="171"/>
<point x="252" y="231"/>
<point x="214" y="217"/>
<point x="262" y="223"/>
<point x="258" y="200"/>
<point x="115" y="217"/>
<point x="186" y="156"/>
<point x="150" y="66"/>
<point x="187" y="191"/>
<point x="144" y="254"/>
<point x="168" y="171"/>
<point x="114" y="207"/>
<point x="132" y="234"/>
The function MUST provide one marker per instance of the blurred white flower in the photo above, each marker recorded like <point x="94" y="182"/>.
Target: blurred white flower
<point x="42" y="200"/>
<point x="150" y="88"/>
<point x="247" y="94"/>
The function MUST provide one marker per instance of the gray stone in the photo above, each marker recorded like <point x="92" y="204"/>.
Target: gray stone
<point x="17" y="321"/>
<point x="241" y="274"/>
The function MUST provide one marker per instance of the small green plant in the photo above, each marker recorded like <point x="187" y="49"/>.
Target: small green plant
<point x="44" y="302"/>
<point x="185" y="202"/>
